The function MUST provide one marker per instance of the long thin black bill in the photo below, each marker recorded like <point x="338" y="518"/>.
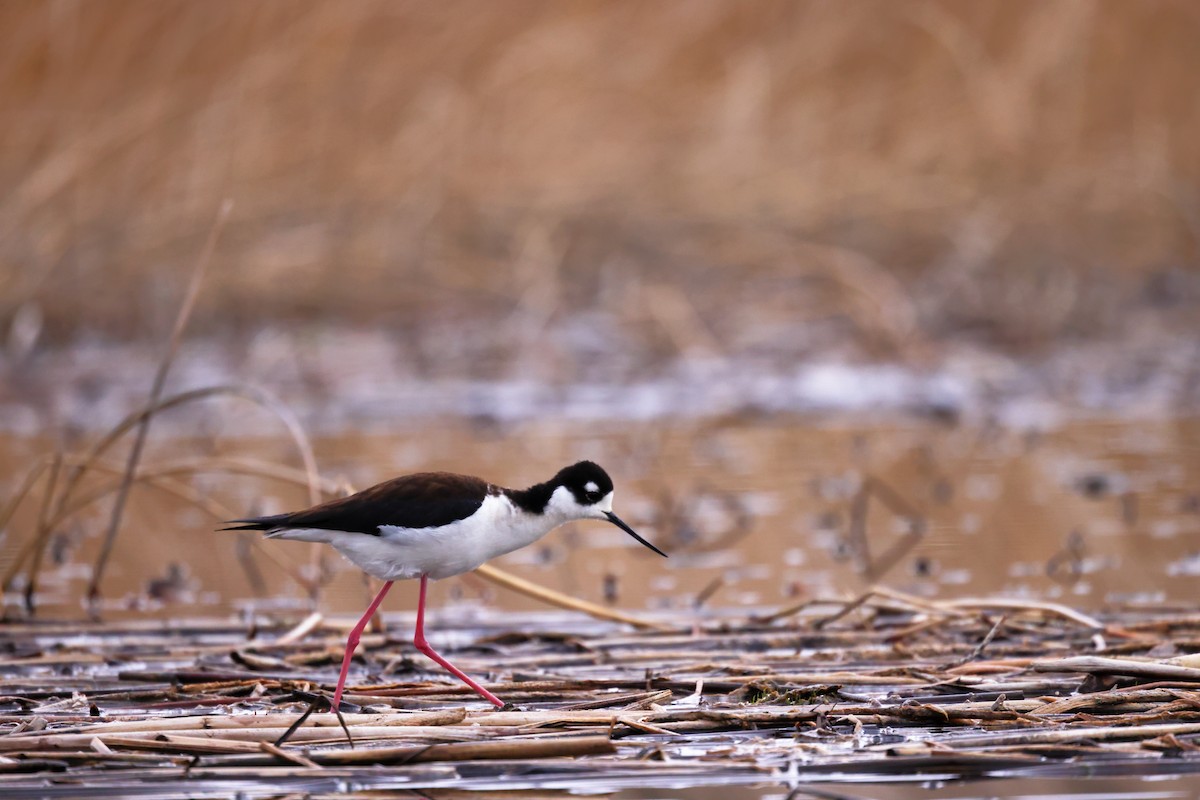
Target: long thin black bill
<point x="615" y="520"/>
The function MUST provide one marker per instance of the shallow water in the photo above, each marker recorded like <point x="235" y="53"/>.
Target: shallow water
<point x="754" y="511"/>
<point x="1165" y="787"/>
<point x="1098" y="787"/>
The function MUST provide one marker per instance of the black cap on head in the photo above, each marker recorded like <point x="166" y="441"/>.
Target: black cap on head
<point x="586" y="481"/>
<point x="589" y="485"/>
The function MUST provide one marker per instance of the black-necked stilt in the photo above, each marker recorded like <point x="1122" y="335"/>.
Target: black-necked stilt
<point x="438" y="524"/>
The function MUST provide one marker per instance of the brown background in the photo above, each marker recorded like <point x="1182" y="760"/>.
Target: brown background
<point x="1019" y="171"/>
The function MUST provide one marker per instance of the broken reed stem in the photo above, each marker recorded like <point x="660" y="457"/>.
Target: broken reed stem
<point x="158" y="475"/>
<point x="217" y="464"/>
<point x="531" y="749"/>
<point x="1007" y="604"/>
<point x="551" y="597"/>
<point x="23" y="491"/>
<point x="273" y="721"/>
<point x="43" y="527"/>
<point x="1120" y="666"/>
<point x="251" y="394"/>
<point x="157" y="478"/>
<point x="306" y="626"/>
<point x="978" y="651"/>
<point x="300" y="721"/>
<point x="327" y="734"/>
<point x="951" y="608"/>
<point x="288" y="755"/>
<point x="907" y="601"/>
<point x="160" y="379"/>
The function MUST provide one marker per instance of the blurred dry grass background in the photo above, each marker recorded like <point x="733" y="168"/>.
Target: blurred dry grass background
<point x="1017" y="170"/>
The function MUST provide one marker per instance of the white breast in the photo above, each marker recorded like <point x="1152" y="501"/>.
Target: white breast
<point x="496" y="528"/>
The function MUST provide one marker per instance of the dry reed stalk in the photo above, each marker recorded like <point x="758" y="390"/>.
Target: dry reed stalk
<point x="534" y="720"/>
<point x="190" y="745"/>
<point x="551" y="597"/>
<point x="302" y="630"/>
<point x="628" y="702"/>
<point x="531" y="749"/>
<point x="875" y="593"/>
<point x="109" y="759"/>
<point x="684" y="683"/>
<point x="258" y="397"/>
<point x="157" y="478"/>
<point x="83" y="464"/>
<point x="644" y="727"/>
<point x="272" y="720"/>
<point x="160" y="379"/>
<point x="655" y="698"/>
<point x="43" y="528"/>
<point x="10" y="509"/>
<point x="288" y="755"/>
<point x="1096" y="665"/>
<point x="1101" y="734"/>
<point x="1117" y="697"/>
<point x="248" y="466"/>
<point x="362" y="733"/>
<point x="208" y="464"/>
<point x="1007" y="604"/>
<point x="978" y="651"/>
<point x="787" y="714"/>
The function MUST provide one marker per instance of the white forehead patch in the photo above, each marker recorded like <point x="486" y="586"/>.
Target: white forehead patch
<point x="591" y="486"/>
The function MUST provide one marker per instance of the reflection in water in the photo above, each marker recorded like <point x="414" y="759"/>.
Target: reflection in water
<point x="1161" y="788"/>
<point x="1165" y="788"/>
<point x="755" y="512"/>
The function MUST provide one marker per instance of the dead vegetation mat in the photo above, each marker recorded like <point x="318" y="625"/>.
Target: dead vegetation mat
<point x="879" y="687"/>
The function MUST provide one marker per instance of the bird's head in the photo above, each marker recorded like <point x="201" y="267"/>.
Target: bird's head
<point x="584" y="491"/>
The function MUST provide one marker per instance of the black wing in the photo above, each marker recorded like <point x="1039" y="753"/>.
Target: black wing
<point x="424" y="500"/>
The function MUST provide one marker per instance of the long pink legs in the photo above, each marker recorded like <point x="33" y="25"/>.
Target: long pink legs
<point x="418" y="640"/>
<point x="352" y="642"/>
<point x="423" y="646"/>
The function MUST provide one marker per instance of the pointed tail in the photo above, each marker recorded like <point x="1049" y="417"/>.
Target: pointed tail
<point x="257" y="523"/>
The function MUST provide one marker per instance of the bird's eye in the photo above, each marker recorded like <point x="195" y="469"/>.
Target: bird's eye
<point x="592" y="497"/>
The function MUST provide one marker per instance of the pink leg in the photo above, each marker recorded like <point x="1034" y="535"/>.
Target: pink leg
<point x="352" y="642"/>
<point x="423" y="646"/>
